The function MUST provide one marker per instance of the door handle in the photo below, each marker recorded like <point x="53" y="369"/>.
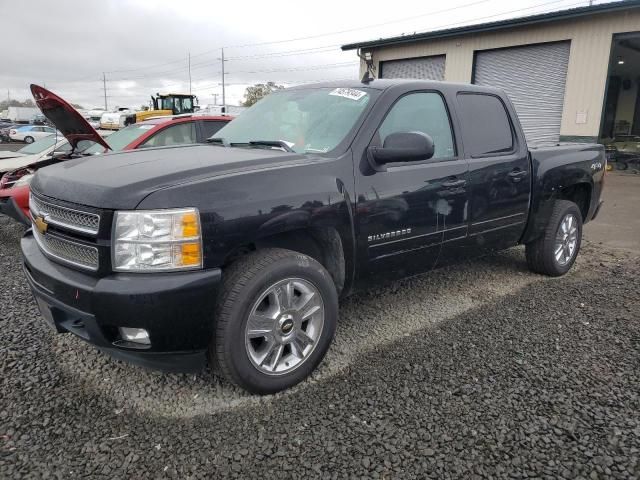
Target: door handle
<point x="517" y="175"/>
<point x="454" y="183"/>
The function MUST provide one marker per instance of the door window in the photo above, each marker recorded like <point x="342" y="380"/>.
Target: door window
<point x="183" y="133"/>
<point x="486" y="128"/>
<point x="421" y="112"/>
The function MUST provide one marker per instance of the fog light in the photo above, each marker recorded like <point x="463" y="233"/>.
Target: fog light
<point x="136" y="335"/>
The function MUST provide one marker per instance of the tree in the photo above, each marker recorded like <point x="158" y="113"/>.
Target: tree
<point x="77" y="106"/>
<point x="258" y="91"/>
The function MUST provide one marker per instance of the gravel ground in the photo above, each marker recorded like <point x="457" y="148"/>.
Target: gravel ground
<point x="479" y="370"/>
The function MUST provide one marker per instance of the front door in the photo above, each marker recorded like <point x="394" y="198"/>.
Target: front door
<point x="404" y="211"/>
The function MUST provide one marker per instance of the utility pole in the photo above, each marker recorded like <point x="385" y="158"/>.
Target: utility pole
<point x="189" y="73"/>
<point x="224" y="103"/>
<point x="215" y="98"/>
<point x="104" y="86"/>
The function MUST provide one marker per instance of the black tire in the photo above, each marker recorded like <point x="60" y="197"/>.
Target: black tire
<point x="621" y="165"/>
<point x="540" y="253"/>
<point x="243" y="283"/>
<point x="28" y="139"/>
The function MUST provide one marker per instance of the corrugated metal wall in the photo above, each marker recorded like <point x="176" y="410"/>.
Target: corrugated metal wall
<point x="427" y="68"/>
<point x="534" y="77"/>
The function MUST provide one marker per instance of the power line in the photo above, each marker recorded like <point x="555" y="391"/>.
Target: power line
<point x="274" y="42"/>
<point x="301" y="69"/>
<point x="301" y="51"/>
<point x="349" y="30"/>
<point x="441" y="27"/>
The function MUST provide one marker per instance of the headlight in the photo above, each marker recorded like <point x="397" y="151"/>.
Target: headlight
<point x="155" y="240"/>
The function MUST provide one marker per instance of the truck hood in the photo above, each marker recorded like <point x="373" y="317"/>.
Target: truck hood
<point x="65" y="118"/>
<point x="122" y="180"/>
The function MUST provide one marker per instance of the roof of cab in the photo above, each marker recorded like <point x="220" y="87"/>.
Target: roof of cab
<point x="386" y="83"/>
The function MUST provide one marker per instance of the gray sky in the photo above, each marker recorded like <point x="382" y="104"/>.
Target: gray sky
<point x="143" y="45"/>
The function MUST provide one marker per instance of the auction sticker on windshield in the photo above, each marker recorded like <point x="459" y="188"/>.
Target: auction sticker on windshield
<point x="350" y="93"/>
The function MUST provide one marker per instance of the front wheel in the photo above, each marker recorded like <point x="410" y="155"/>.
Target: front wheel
<point x="555" y="252"/>
<point x="28" y="139"/>
<point x="276" y="317"/>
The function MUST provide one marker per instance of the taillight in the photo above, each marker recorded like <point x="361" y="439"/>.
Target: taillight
<point x="12" y="132"/>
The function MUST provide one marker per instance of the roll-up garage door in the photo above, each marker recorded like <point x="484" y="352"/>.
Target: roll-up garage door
<point x="534" y="77"/>
<point x="426" y="68"/>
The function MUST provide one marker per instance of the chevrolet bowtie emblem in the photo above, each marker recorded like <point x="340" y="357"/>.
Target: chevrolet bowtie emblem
<point x="40" y="224"/>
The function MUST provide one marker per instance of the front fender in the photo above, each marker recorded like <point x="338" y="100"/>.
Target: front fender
<point x="239" y="209"/>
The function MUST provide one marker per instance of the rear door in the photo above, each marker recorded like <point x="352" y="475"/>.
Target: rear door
<point x="499" y="171"/>
<point x="406" y="210"/>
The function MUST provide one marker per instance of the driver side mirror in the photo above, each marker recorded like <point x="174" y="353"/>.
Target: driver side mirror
<point x="403" y="147"/>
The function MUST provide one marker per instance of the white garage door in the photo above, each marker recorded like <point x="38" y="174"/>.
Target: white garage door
<point x="534" y="77"/>
<point x="425" y="68"/>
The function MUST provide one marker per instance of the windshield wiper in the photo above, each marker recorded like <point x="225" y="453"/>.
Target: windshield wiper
<point x="273" y="143"/>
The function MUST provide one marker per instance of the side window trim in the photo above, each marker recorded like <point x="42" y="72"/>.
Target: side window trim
<point x="456" y="155"/>
<point x="514" y="138"/>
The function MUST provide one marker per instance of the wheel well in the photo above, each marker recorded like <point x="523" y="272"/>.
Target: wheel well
<point x="580" y="194"/>
<point x="322" y="244"/>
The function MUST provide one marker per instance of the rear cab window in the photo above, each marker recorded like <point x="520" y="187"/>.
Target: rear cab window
<point x="486" y="125"/>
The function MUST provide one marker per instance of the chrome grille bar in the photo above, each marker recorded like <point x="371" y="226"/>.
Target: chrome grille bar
<point x="64" y="217"/>
<point x="67" y="251"/>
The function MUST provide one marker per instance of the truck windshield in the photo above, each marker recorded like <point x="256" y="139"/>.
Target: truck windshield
<point x="307" y="120"/>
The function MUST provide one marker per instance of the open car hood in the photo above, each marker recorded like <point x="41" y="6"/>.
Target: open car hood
<point x="65" y="118"/>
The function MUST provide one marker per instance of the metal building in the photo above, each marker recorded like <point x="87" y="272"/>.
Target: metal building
<point x="573" y="75"/>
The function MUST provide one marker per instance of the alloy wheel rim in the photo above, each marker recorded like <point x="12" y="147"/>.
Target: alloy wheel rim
<point x="284" y="326"/>
<point x="566" y="240"/>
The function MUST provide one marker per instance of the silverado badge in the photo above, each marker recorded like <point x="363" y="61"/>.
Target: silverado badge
<point x="40" y="224"/>
<point x="387" y="235"/>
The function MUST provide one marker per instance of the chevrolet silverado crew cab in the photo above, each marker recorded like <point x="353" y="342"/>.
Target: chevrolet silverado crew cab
<point x="236" y="252"/>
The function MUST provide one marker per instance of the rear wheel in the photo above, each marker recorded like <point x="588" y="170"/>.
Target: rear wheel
<point x="555" y="252"/>
<point x="28" y="139"/>
<point x="276" y="318"/>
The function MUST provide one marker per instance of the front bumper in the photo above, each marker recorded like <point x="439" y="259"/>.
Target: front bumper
<point x="10" y="208"/>
<point x="175" y="308"/>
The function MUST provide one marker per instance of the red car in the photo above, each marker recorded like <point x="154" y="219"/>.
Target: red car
<point x="157" y="132"/>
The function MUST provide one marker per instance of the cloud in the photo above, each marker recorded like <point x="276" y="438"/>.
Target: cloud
<point x="143" y="45"/>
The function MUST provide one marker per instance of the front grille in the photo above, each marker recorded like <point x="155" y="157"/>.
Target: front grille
<point x="83" y="222"/>
<point x="67" y="251"/>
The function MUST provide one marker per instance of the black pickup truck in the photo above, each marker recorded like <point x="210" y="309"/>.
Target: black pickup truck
<point x="236" y="252"/>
